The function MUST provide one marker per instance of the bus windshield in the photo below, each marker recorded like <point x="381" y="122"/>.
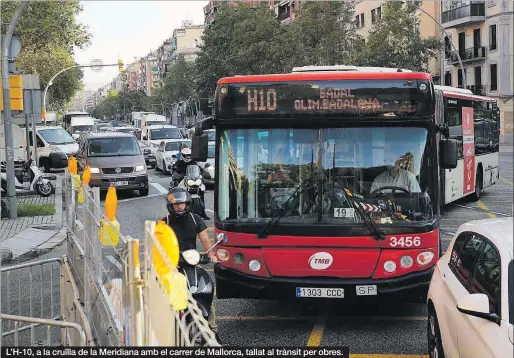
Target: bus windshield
<point x="383" y="170"/>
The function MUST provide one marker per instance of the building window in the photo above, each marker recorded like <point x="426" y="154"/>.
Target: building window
<point x="362" y="20"/>
<point x="494" y="77"/>
<point x="448" y="78"/>
<point x="492" y="37"/>
<point x="357" y="21"/>
<point x="459" y="78"/>
<point x="376" y="14"/>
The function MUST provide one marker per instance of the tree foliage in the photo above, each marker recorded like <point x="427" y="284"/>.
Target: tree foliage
<point x="180" y="83"/>
<point x="48" y="32"/>
<point x="242" y="41"/>
<point x="395" y="40"/>
<point x="323" y="34"/>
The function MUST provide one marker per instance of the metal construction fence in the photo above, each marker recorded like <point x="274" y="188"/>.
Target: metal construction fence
<point x="123" y="305"/>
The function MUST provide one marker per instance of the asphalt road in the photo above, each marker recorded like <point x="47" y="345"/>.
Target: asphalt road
<point x="384" y="329"/>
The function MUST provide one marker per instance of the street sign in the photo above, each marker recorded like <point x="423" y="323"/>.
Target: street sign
<point x="96" y="65"/>
<point x="123" y="76"/>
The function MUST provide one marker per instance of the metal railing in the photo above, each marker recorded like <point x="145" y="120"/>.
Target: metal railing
<point x="47" y="293"/>
<point x="123" y="308"/>
<point x="469" y="54"/>
<point x="476" y="9"/>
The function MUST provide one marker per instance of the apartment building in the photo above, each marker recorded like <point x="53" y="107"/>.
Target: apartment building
<point x="132" y="75"/>
<point x="210" y="9"/>
<point x="480" y="33"/>
<point x="368" y="12"/>
<point x="149" y="78"/>
<point x="81" y="100"/>
<point x="285" y="10"/>
<point x="163" y="53"/>
<point x="186" y="41"/>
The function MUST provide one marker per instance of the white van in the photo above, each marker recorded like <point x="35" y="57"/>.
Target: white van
<point x="51" y="119"/>
<point x="137" y="118"/>
<point x="54" y="146"/>
<point x="150" y="120"/>
<point x="19" y="144"/>
<point x="156" y="134"/>
<point x="81" y="124"/>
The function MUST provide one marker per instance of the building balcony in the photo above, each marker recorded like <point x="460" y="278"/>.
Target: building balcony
<point x="468" y="55"/>
<point x="464" y="15"/>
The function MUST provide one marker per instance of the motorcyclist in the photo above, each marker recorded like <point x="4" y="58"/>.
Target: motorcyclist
<point x="187" y="226"/>
<point x="179" y="171"/>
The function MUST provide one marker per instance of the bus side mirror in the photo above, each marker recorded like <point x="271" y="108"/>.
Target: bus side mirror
<point x="448" y="153"/>
<point x="199" y="147"/>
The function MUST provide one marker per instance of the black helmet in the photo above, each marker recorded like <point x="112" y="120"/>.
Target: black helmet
<point x="178" y="196"/>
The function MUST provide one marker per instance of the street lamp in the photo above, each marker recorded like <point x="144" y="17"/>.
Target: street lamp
<point x="451" y="42"/>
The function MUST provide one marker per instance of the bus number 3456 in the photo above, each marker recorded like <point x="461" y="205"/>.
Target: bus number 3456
<point x="407" y="241"/>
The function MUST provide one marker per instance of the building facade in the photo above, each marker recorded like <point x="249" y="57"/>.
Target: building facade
<point x="368" y="12"/>
<point x="186" y="41"/>
<point x="479" y="34"/>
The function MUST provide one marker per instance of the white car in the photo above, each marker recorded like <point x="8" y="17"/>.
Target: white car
<point x="470" y="298"/>
<point x="165" y="155"/>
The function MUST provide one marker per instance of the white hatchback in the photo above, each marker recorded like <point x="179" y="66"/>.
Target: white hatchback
<point x="470" y="298"/>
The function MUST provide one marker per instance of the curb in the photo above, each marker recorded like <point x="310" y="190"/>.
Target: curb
<point x="54" y="241"/>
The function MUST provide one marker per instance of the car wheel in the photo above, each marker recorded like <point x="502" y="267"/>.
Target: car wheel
<point x="143" y="192"/>
<point x="435" y="344"/>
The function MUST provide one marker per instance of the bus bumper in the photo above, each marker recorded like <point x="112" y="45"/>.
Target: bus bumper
<point x="234" y="284"/>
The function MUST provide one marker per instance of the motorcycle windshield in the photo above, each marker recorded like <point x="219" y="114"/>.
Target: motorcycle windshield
<point x="193" y="172"/>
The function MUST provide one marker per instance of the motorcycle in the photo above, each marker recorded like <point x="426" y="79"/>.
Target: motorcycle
<point x="193" y="183"/>
<point x="201" y="286"/>
<point x="29" y="178"/>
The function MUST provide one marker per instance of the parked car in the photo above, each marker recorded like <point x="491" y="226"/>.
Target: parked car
<point x="167" y="151"/>
<point x="148" y="153"/>
<point x="114" y="158"/>
<point x="471" y="295"/>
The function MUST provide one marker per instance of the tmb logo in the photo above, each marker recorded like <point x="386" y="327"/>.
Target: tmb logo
<point x="321" y="261"/>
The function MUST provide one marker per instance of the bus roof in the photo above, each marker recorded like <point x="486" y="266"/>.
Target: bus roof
<point x="326" y="76"/>
<point x="462" y="93"/>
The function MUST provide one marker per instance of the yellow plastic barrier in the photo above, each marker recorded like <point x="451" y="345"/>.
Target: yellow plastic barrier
<point x="174" y="283"/>
<point x="109" y="236"/>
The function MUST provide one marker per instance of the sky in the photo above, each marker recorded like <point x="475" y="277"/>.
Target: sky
<point x="128" y="30"/>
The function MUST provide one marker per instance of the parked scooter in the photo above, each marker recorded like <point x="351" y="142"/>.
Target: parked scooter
<point x="200" y="285"/>
<point x="29" y="178"/>
<point x="193" y="183"/>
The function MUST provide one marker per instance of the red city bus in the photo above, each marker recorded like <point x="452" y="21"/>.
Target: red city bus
<point x="326" y="183"/>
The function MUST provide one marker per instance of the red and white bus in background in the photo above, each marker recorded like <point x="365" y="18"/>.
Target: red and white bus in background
<point x="474" y="121"/>
<point x="328" y="182"/>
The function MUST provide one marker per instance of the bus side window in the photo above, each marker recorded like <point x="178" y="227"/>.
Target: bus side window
<point x="454" y="121"/>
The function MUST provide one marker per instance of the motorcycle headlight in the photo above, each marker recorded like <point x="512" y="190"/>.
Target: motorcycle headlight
<point x="198" y="182"/>
<point x="190" y="182"/>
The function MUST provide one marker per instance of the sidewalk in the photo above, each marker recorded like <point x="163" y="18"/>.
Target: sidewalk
<point x="26" y="235"/>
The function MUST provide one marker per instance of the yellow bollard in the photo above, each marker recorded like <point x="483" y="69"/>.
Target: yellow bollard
<point x="109" y="236"/>
<point x="174" y="283"/>
<point x="72" y="165"/>
<point x="86" y="177"/>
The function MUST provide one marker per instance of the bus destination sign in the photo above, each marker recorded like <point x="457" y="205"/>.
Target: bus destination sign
<point x="292" y="99"/>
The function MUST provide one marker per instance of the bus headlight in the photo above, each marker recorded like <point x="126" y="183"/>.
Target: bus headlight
<point x="389" y="266"/>
<point x="254" y="265"/>
<point x="406" y="261"/>
<point x="425" y="258"/>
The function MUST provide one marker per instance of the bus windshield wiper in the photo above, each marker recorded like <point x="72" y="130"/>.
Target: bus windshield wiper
<point x="370" y="223"/>
<point x="284" y="209"/>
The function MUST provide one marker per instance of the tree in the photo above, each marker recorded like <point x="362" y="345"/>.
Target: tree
<point x="323" y="34"/>
<point x="243" y="40"/>
<point x="180" y="84"/>
<point x="48" y="32"/>
<point x="395" y="40"/>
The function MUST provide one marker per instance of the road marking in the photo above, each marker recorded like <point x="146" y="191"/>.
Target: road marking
<point x="332" y="318"/>
<point x="483" y="207"/>
<point x="489" y="213"/>
<point x="507" y="181"/>
<point x="160" y="188"/>
<point x="209" y="210"/>
<point x="114" y="262"/>
<point x="319" y="327"/>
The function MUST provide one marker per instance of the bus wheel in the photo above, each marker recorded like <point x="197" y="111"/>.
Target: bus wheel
<point x="478" y="187"/>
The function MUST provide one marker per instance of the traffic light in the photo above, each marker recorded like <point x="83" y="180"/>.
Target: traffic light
<point x="120" y="65"/>
<point x="16" y="93"/>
